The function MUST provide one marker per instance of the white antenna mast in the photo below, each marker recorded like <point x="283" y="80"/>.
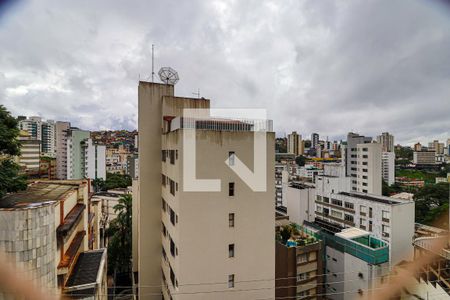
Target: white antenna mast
<point x="153" y="62"/>
<point x="197" y="94"/>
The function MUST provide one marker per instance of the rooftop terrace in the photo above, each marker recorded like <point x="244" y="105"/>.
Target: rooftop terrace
<point x="37" y="194"/>
<point x="375" y="198"/>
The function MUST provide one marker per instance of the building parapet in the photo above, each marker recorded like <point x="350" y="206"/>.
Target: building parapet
<point x="221" y="124"/>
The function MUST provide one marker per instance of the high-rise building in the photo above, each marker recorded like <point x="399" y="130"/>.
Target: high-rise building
<point x="387" y="142"/>
<point x="93" y="159"/>
<point x="48" y="133"/>
<point x="84" y="158"/>
<point x="388" y="167"/>
<point x="295" y="143"/>
<point x="417" y="147"/>
<point x="368" y="169"/>
<point x="363" y="163"/>
<point x="190" y="242"/>
<point x="33" y="125"/>
<point x="62" y="129"/>
<point x="314" y="140"/>
<point x="436" y="146"/>
<point x="29" y="152"/>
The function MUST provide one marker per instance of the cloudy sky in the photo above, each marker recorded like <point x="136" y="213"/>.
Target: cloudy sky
<point x="316" y="66"/>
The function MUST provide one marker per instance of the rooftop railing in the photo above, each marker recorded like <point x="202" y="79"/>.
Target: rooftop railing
<point x="222" y="124"/>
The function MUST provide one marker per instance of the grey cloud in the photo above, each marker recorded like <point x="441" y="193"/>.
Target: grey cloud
<point x="317" y="66"/>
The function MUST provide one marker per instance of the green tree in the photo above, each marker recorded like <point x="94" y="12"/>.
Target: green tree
<point x="10" y="179"/>
<point x="98" y="184"/>
<point x="120" y="239"/>
<point x="114" y="180"/>
<point x="431" y="203"/>
<point x="300" y="160"/>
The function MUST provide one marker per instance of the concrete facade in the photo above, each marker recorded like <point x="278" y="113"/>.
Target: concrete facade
<point x="61" y="149"/>
<point x="388" y="167"/>
<point x="200" y="230"/>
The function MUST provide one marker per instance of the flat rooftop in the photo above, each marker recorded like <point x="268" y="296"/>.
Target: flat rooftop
<point x="37" y="194"/>
<point x="375" y="198"/>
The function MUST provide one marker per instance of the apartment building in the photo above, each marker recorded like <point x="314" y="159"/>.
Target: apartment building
<point x="84" y="158"/>
<point x="33" y="125"/>
<point x="49" y="231"/>
<point x="388" y="167"/>
<point x="200" y="244"/>
<point x="355" y="261"/>
<point x="314" y="140"/>
<point x="388" y="219"/>
<point x="61" y="133"/>
<point x="309" y="172"/>
<point x="368" y="169"/>
<point x="93" y="159"/>
<point x="295" y="144"/>
<point x="29" y="152"/>
<point x="351" y="154"/>
<point x="300" y="201"/>
<point x="298" y="264"/>
<point x="48" y="133"/>
<point x="424" y="157"/>
<point x="132" y="168"/>
<point x="281" y="179"/>
<point x="387" y="142"/>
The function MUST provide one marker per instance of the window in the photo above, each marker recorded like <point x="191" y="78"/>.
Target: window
<point x="370" y="225"/>
<point x="336" y="202"/>
<point x="231" y="250"/>
<point x="362" y="210"/>
<point x="164" y="230"/>
<point x="231" y="189"/>
<point x="364" y="170"/>
<point x="349" y="205"/>
<point x="172" y="156"/>
<point x="336" y="214"/>
<point x="385" y="230"/>
<point x="302" y="258"/>
<point x="365" y="156"/>
<point x="172" y="187"/>
<point x="319" y="198"/>
<point x="370" y="212"/>
<point x="231" y="220"/>
<point x="172" y="247"/>
<point x="302" y="276"/>
<point x="163" y="179"/>
<point x="163" y="204"/>
<point x="231" y="281"/>
<point x="163" y="155"/>
<point x="385" y="216"/>
<point x="172" y="216"/>
<point x="326" y="199"/>
<point x="348" y="218"/>
<point x="364" y="163"/>
<point x="326" y="211"/>
<point x="231" y="157"/>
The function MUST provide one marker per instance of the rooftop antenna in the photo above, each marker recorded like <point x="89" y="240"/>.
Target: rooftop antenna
<point x="197" y="94"/>
<point x="153" y="63"/>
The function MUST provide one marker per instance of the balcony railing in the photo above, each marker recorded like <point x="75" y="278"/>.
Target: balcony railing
<point x="221" y="124"/>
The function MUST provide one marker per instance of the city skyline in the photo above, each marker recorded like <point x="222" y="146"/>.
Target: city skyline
<point x="322" y="72"/>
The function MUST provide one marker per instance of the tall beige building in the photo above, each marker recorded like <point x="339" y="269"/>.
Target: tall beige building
<point x="194" y="244"/>
<point x="387" y="142"/>
<point x="295" y="143"/>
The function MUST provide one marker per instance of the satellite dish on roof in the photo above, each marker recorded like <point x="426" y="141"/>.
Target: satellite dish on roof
<point x="168" y="75"/>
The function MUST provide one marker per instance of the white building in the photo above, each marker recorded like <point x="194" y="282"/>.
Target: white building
<point x="309" y="172"/>
<point x="388" y="167"/>
<point x="33" y="125"/>
<point x="351" y="155"/>
<point x="94" y="159"/>
<point x="388" y="219"/>
<point x="300" y="201"/>
<point x="48" y="134"/>
<point x="368" y="169"/>
<point x="29" y="152"/>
